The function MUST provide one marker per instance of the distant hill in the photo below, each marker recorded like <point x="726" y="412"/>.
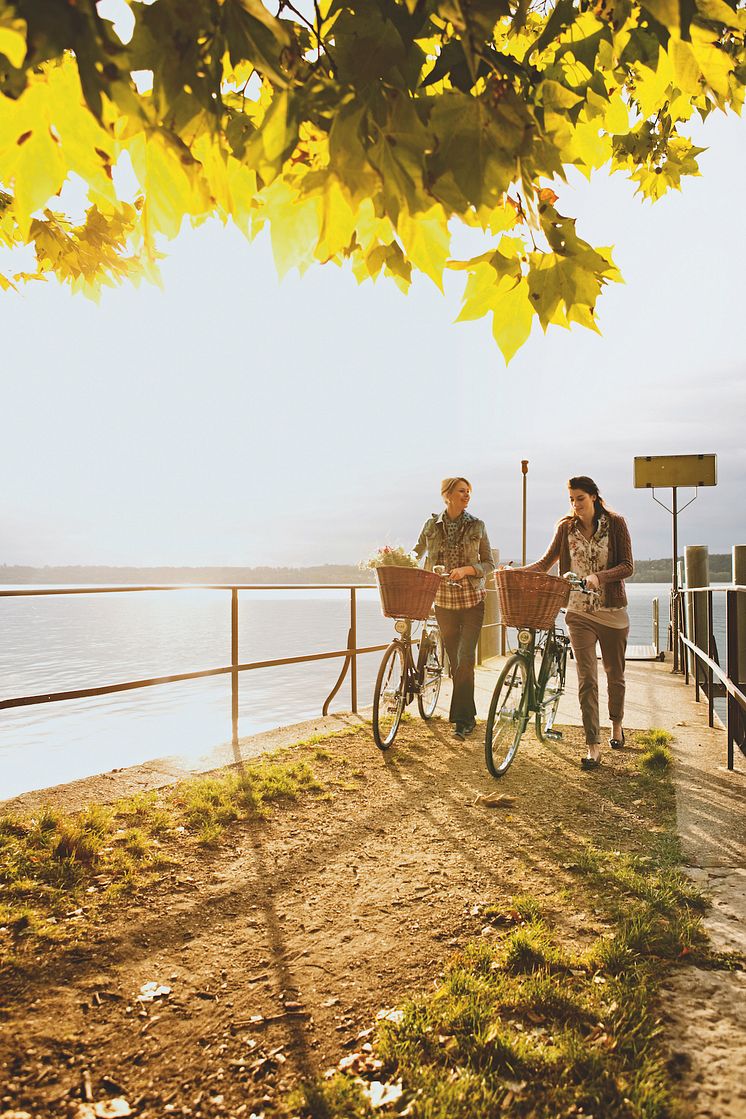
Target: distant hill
<point x="324" y="573"/>
<point x="646" y="571"/>
<point x="659" y="570"/>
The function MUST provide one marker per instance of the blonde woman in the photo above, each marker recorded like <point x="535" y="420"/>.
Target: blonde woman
<point x="592" y="541"/>
<point x="457" y="543"/>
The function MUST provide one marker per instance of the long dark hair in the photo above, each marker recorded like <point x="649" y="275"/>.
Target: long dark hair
<point x="587" y="485"/>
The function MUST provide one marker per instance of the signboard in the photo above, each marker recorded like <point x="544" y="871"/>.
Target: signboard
<point x="658" y="471"/>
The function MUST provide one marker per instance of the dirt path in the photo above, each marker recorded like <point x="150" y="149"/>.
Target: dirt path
<point x="279" y="949"/>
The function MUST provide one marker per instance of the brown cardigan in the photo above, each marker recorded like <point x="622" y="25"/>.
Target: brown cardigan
<point x="621" y="564"/>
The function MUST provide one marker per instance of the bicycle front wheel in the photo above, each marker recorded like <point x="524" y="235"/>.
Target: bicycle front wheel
<point x="431" y="671"/>
<point x="389" y="697"/>
<point x="552" y="685"/>
<point x="508" y="716"/>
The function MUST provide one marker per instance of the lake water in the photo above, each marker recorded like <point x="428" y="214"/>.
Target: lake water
<point x="57" y="643"/>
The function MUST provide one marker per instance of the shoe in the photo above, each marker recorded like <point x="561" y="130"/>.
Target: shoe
<point x="460" y="731"/>
<point x="590" y="763"/>
<point x="468" y="728"/>
<point x="617" y="743"/>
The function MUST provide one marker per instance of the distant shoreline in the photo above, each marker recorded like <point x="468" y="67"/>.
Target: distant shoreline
<point x="646" y="571"/>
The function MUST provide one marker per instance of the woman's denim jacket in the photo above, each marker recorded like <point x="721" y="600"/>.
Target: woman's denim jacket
<point x="476" y="546"/>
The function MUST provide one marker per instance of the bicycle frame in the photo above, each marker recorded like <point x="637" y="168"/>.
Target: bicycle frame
<point x="547" y="642"/>
<point x="400" y="679"/>
<point x="521" y="690"/>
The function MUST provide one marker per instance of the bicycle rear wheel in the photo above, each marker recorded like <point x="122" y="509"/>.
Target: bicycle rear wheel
<point x="390" y="696"/>
<point x="551" y="687"/>
<point x="430" y="664"/>
<point x="508" y="716"/>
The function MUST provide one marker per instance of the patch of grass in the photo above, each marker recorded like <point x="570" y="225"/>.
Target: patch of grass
<point x="657" y="759"/>
<point x="54" y="862"/>
<point x="656" y="736"/>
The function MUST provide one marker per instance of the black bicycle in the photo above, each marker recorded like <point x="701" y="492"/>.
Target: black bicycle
<point x="411" y="666"/>
<point x="522" y="689"/>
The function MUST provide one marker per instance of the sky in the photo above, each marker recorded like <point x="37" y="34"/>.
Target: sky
<point x="233" y="418"/>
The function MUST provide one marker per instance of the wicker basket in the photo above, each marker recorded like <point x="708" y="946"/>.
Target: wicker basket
<point x="530" y="599"/>
<point x="407" y="592"/>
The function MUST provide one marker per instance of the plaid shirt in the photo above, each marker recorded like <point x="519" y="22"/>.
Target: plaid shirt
<point x="461" y="542"/>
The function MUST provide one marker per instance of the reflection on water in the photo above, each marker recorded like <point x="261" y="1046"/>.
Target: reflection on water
<point x="54" y="643"/>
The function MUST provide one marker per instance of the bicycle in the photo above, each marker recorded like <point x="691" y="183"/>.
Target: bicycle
<point x="521" y="690"/>
<point x="400" y="678"/>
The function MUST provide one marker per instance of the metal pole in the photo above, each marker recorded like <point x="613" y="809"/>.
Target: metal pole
<point x="353" y="645"/>
<point x="734" y="719"/>
<point x="524" y="471"/>
<point x="675" y="584"/>
<point x="234" y="665"/>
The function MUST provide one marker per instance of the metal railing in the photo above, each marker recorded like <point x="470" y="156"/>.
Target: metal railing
<point x="709" y="676"/>
<point x="350" y="653"/>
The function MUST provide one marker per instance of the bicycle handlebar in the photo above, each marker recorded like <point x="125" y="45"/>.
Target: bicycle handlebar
<point x="577" y="582"/>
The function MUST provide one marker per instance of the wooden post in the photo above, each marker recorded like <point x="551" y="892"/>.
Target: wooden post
<point x="697" y="575"/>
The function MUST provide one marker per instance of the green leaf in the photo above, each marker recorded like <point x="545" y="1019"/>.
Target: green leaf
<point x="252" y="34"/>
<point x="478" y="144"/>
<point x="559" y="282"/>
<point x="561" y="17"/>
<point x="398" y="155"/>
<point x="368" y="49"/>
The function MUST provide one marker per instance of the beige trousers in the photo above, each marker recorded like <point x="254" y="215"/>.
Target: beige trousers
<point x="585" y="632"/>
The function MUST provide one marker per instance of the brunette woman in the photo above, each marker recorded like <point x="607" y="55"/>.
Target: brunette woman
<point x="592" y="541"/>
<point x="457" y="543"/>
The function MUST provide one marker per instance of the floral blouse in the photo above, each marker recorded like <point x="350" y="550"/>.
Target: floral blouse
<point x="588" y="557"/>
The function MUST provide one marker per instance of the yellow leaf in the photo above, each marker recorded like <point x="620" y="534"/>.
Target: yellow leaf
<point x="589" y="145"/>
<point x="513" y="316"/>
<point x="294" y="226"/>
<point x="426" y="241"/>
<point x="616" y="116"/>
<point x="171" y="179"/>
<point x="480" y="293"/>
<point x="88" y="149"/>
<point x="651" y="85"/>
<point x="685" y="67"/>
<point x="30" y="156"/>
<point x="337" y="219"/>
<point x="13" y="41"/>
<point x="714" y="63"/>
<point x="372" y="230"/>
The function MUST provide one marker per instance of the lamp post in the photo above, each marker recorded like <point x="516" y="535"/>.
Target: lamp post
<point x="524" y="471"/>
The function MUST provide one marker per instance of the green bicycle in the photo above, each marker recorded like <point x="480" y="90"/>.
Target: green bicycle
<point x="521" y="690"/>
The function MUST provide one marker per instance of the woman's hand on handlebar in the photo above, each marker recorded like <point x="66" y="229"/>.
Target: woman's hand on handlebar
<point x="585" y="586"/>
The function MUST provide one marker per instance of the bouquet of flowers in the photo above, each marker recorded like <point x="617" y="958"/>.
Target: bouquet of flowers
<point x="390" y="557"/>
